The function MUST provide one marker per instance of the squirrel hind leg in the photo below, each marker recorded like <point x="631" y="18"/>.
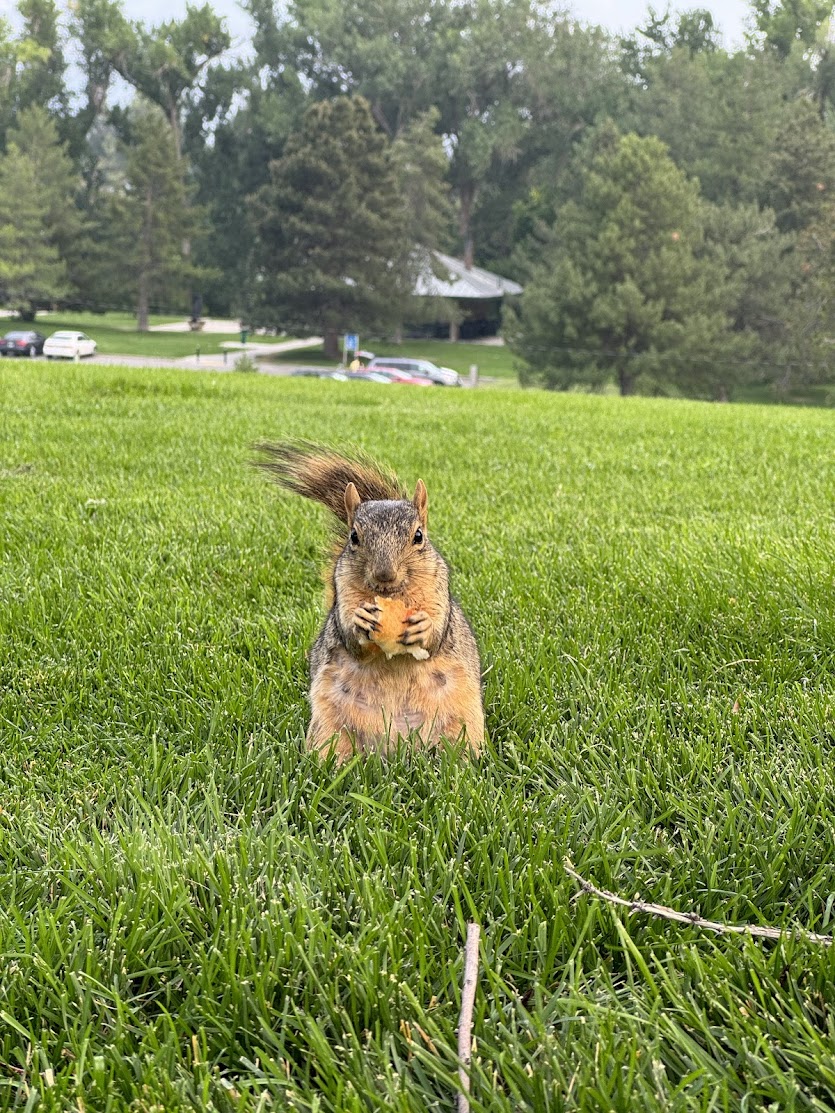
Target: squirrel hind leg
<point x="469" y="737"/>
<point x="323" y="744"/>
<point x="467" y="729"/>
<point x="326" y="736"/>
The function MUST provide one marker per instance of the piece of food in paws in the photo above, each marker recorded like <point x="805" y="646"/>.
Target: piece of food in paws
<point x="391" y="628"/>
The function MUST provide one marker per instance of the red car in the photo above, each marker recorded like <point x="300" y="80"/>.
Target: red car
<point x="398" y="376"/>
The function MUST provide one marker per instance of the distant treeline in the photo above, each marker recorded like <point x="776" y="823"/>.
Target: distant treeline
<point x="668" y="206"/>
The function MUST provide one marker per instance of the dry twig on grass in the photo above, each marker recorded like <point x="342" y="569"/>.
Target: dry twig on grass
<point x="465" y="1019"/>
<point x="693" y="919"/>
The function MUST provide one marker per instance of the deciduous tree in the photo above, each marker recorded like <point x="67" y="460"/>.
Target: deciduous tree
<point x="165" y="63"/>
<point x="41" y="78"/>
<point x="786" y="23"/>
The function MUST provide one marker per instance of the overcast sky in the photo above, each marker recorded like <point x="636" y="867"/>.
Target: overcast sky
<point x="617" y="15"/>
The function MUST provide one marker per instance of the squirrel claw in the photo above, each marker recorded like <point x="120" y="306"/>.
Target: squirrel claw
<point x="418" y="629"/>
<point x="365" y="618"/>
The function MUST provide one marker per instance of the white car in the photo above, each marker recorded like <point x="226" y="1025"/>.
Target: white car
<point x="68" y="345"/>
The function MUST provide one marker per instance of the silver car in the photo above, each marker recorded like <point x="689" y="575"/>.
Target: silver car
<point x="419" y="368"/>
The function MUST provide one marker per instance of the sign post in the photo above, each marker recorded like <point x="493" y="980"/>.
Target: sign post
<point x="350" y="343"/>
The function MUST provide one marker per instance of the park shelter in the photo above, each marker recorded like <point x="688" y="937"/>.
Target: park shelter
<point x="478" y="294"/>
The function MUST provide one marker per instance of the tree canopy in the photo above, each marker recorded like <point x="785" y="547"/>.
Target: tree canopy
<point x="472" y="129"/>
<point x="329" y="227"/>
<point x="626" y="287"/>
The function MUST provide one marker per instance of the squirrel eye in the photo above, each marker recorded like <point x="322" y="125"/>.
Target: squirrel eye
<point x="418" y="538"/>
<point x="355" y="537"/>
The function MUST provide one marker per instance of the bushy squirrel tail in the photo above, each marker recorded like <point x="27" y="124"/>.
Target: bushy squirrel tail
<point x="319" y="473"/>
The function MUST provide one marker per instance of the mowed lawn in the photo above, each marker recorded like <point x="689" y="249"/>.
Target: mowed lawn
<point x="196" y="914"/>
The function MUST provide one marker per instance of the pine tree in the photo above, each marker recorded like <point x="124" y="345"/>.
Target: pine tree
<point x="159" y="217"/>
<point x="35" y="135"/>
<point x="427" y="213"/>
<point x="330" y="228"/>
<point x="39" y="220"/>
<point x="627" y="288"/>
<point x="32" y="272"/>
<point x="800" y="182"/>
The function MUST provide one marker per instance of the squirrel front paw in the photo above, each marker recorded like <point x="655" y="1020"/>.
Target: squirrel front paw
<point x="419" y="630"/>
<point x="366" y="620"/>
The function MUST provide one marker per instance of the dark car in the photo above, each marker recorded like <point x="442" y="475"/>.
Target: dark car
<point x="24" y="342"/>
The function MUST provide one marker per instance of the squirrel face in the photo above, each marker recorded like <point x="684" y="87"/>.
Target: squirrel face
<point x="387" y="540"/>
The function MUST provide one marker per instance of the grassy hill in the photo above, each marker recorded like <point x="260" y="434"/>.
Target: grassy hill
<point x="194" y="913"/>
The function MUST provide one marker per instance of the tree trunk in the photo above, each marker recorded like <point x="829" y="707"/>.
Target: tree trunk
<point x="784" y="382"/>
<point x="142" y="303"/>
<point x="332" y="344"/>
<point x="176" y="129"/>
<point x="146" y="254"/>
<point x="465" y="212"/>
<point x="626" y="381"/>
<point x="177" y="132"/>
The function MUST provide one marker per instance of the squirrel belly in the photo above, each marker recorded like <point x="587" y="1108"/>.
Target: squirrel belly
<point x="365" y="701"/>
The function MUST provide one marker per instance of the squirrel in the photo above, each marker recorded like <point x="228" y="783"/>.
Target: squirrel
<point x="396" y="657"/>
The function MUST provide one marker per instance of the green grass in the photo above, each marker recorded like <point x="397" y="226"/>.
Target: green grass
<point x="493" y="361"/>
<point x="818" y="394"/>
<point x="195" y="914"/>
<point x="116" y="334"/>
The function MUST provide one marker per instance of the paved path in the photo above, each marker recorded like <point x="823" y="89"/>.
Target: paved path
<point x="210" y="324"/>
<point x="218" y="361"/>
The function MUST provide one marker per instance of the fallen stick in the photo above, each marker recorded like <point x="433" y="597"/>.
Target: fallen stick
<point x="465" y="1019"/>
<point x="693" y="919"/>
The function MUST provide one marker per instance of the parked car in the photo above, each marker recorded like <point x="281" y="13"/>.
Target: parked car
<point x="369" y="376"/>
<point x="421" y="368"/>
<point x="23" y="342"/>
<point x="395" y="375"/>
<point x="69" y="345"/>
<point x="318" y="373"/>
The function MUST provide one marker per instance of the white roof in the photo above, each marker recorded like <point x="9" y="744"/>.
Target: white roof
<point x="459" y="281"/>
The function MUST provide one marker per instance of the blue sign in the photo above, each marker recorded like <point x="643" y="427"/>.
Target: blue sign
<point x="352" y="341"/>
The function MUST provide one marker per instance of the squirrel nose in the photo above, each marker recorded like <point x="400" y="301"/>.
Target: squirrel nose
<point x="385" y="574"/>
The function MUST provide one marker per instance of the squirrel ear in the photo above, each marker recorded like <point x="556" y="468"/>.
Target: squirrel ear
<point x="352" y="501"/>
<point x="421" y="501"/>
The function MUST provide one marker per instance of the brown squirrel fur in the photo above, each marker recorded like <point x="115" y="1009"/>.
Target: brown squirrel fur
<point x="396" y="658"/>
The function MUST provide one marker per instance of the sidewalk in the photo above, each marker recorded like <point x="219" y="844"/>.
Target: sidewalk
<point x="234" y="349"/>
<point x="216" y="361"/>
